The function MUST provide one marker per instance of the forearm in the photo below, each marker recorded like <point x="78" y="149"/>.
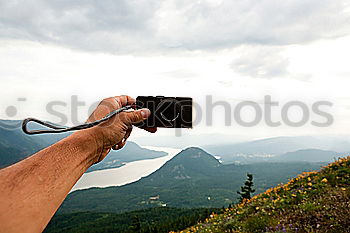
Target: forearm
<point x="33" y="189"/>
<point x="38" y="185"/>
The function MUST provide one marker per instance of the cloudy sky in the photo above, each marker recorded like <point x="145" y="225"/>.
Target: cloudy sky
<point x="230" y="50"/>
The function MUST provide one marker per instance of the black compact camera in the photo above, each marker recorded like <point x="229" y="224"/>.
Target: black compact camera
<point x="166" y="112"/>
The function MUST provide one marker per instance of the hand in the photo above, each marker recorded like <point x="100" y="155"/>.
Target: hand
<point x="114" y="132"/>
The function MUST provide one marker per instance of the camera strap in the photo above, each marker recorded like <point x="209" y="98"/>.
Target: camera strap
<point x="62" y="129"/>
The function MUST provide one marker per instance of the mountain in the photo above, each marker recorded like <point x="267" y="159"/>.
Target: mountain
<point x="311" y="202"/>
<point x="16" y="145"/>
<point x="193" y="178"/>
<point x="277" y="146"/>
<point x="309" y="155"/>
<point x="131" y="152"/>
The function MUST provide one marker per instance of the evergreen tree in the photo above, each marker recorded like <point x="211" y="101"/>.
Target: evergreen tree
<point x="247" y="190"/>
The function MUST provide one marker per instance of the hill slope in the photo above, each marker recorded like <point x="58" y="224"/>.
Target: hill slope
<point x="193" y="178"/>
<point x="15" y="145"/>
<point x="312" y="202"/>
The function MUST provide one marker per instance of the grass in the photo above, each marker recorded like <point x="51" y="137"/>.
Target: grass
<point x="311" y="202"/>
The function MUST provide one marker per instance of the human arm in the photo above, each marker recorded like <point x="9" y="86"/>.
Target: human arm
<point x="33" y="189"/>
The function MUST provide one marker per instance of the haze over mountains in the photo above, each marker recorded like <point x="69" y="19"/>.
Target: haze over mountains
<point x="280" y="148"/>
<point x="15" y="145"/>
<point x="231" y="149"/>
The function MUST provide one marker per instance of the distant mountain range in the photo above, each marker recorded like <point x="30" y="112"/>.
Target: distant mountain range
<point x="15" y="146"/>
<point x="193" y="178"/>
<point x="263" y="150"/>
<point x="307" y="155"/>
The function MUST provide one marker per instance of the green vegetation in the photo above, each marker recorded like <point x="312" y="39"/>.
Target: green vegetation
<point x="155" y="220"/>
<point x="192" y="179"/>
<point x="312" y="202"/>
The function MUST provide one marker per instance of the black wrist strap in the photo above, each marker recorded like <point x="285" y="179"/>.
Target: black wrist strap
<point x="62" y="129"/>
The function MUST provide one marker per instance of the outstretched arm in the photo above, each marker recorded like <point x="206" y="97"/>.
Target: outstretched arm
<point x="33" y="189"/>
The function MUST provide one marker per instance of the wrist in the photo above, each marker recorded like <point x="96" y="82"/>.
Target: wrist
<point x="88" y="146"/>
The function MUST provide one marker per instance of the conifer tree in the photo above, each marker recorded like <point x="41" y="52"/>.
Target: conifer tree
<point x="247" y="190"/>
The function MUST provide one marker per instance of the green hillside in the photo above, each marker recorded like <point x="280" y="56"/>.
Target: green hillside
<point x="14" y="144"/>
<point x="311" y="202"/>
<point x="192" y="179"/>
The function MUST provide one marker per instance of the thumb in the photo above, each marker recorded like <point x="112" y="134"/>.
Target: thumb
<point x="137" y="116"/>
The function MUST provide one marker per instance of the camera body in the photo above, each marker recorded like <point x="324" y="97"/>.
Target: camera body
<point x="166" y="112"/>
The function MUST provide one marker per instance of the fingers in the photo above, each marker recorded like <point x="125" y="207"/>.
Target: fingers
<point x="116" y="102"/>
<point x="122" y="143"/>
<point x="124" y="100"/>
<point x="136" y="116"/>
<point x="151" y="130"/>
<point x="119" y="145"/>
<point x="127" y="133"/>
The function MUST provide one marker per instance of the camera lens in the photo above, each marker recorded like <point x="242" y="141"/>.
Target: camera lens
<point x="169" y="109"/>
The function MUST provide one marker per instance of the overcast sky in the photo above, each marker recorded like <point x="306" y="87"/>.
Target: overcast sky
<point x="232" y="50"/>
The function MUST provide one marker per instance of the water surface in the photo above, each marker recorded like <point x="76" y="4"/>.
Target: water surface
<point x="128" y="173"/>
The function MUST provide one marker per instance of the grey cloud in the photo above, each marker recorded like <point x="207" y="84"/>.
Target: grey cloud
<point x="263" y="62"/>
<point x="140" y="26"/>
<point x="109" y="26"/>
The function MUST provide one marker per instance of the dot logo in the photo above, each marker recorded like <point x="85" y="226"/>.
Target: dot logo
<point x="11" y="111"/>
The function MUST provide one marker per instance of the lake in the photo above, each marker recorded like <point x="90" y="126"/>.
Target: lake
<point x="128" y="173"/>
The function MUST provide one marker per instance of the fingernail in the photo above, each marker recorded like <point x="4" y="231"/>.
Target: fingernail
<point x="145" y="113"/>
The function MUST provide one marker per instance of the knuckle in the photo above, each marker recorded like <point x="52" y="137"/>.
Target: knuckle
<point x="107" y="99"/>
<point x="133" y="117"/>
<point x="123" y="99"/>
<point x="123" y="116"/>
<point x="111" y="102"/>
